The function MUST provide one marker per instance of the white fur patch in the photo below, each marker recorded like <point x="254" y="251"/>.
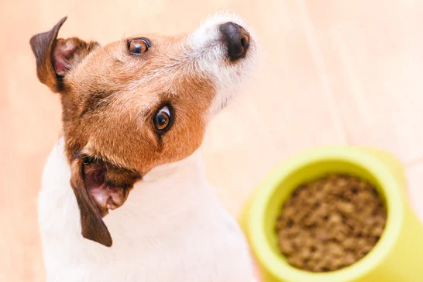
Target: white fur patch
<point x="210" y="54"/>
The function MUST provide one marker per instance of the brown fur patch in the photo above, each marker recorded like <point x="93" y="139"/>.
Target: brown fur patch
<point x="42" y="46"/>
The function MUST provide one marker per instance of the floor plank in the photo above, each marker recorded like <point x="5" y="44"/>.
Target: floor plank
<point x="375" y="61"/>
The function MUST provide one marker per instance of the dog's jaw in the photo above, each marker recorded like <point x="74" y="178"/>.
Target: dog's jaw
<point x="210" y="54"/>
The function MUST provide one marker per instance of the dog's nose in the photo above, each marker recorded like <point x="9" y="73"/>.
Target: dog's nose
<point x="236" y="38"/>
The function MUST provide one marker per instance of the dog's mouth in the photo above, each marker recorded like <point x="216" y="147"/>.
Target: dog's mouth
<point x="107" y="197"/>
<point x="108" y="186"/>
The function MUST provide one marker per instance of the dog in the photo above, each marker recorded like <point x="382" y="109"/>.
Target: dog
<point x="134" y="116"/>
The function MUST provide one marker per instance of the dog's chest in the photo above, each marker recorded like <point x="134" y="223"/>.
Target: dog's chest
<point x="211" y="253"/>
<point x="206" y="252"/>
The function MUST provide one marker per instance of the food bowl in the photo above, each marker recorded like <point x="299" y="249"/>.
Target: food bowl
<point x="398" y="255"/>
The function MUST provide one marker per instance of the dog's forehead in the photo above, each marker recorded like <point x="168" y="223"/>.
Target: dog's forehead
<point x="112" y="64"/>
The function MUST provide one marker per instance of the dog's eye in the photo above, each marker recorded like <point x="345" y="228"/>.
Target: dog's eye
<point x="138" y="45"/>
<point x="162" y="119"/>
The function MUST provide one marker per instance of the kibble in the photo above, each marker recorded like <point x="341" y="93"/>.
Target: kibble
<point x="330" y="223"/>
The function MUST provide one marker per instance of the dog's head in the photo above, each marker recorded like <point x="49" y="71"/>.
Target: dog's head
<point x="137" y="103"/>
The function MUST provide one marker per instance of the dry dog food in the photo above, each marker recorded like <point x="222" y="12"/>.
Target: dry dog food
<point x="330" y="223"/>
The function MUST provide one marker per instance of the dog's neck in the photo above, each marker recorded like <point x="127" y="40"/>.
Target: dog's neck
<point x="167" y="198"/>
<point x="171" y="188"/>
<point x="182" y="170"/>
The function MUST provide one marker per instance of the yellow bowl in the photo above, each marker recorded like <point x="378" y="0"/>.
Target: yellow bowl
<point x="398" y="256"/>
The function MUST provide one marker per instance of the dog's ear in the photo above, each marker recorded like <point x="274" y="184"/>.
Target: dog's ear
<point x="99" y="187"/>
<point x="55" y="57"/>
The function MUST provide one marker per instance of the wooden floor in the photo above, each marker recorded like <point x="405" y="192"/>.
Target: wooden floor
<point x="333" y="72"/>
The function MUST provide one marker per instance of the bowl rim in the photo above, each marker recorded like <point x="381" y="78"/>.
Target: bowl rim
<point x="272" y="262"/>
